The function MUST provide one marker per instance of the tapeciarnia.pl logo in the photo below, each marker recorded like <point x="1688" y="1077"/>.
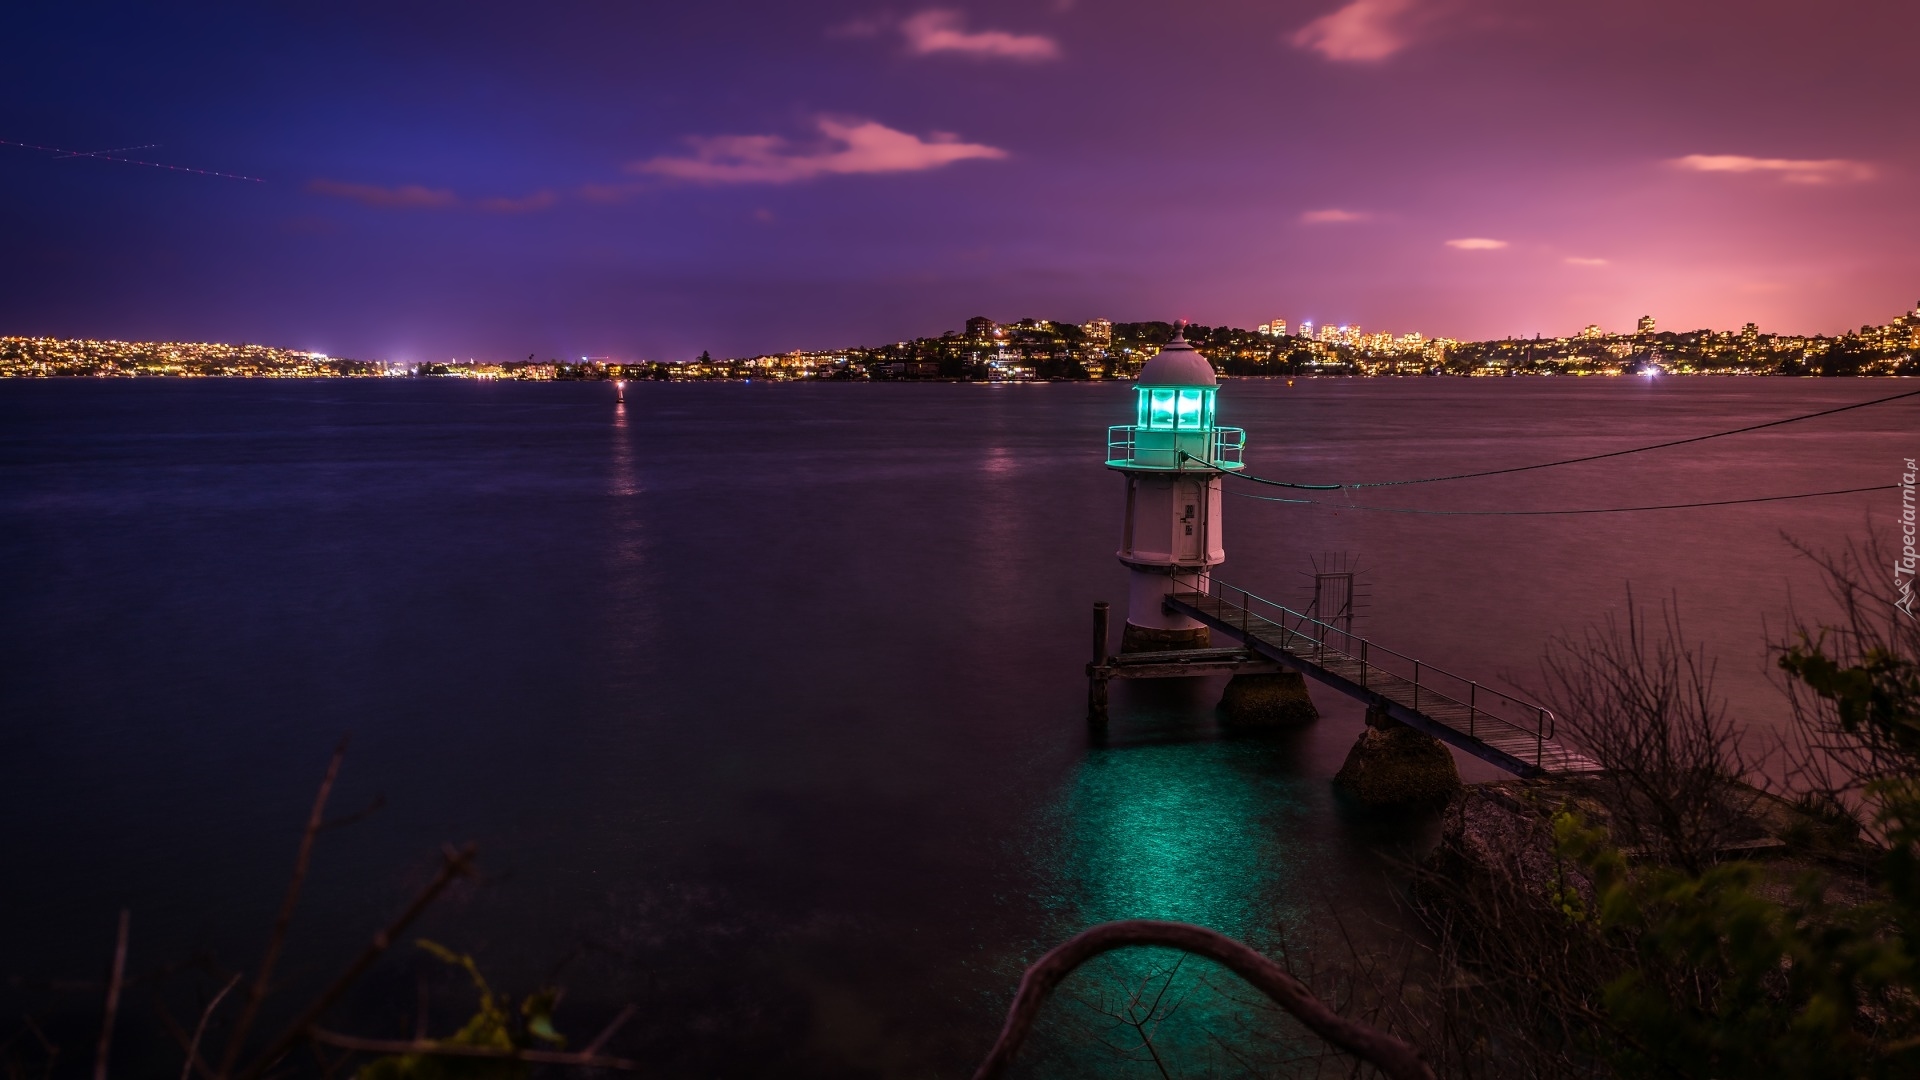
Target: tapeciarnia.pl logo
<point x="1903" y="567"/>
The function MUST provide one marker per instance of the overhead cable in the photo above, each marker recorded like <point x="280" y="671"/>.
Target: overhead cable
<point x="1572" y="460"/>
<point x="1548" y="513"/>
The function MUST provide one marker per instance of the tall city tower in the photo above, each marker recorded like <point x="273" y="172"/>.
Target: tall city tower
<point x="1172" y="457"/>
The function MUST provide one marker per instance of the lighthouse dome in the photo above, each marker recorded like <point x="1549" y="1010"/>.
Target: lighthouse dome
<point x="1178" y="364"/>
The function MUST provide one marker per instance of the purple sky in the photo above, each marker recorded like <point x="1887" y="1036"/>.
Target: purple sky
<point x="645" y="180"/>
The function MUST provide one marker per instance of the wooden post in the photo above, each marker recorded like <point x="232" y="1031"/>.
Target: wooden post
<point x="1096" y="671"/>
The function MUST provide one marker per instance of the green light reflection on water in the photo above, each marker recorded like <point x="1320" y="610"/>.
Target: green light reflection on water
<point x="1207" y="832"/>
<point x="1193" y="832"/>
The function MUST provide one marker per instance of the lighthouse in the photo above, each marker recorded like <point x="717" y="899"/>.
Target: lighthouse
<point x="1172" y="458"/>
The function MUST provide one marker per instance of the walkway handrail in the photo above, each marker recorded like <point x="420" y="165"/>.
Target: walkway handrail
<point x="1294" y="624"/>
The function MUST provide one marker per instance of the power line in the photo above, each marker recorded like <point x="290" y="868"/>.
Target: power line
<point x="110" y="156"/>
<point x="1572" y="460"/>
<point x="1548" y="513"/>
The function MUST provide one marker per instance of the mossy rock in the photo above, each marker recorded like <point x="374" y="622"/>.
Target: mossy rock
<point x="1398" y="766"/>
<point x="1278" y="699"/>
<point x="1138" y="639"/>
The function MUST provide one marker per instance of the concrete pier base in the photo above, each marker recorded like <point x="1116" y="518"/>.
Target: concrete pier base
<point x="1278" y="699"/>
<point x="1138" y="639"/>
<point x="1394" y="765"/>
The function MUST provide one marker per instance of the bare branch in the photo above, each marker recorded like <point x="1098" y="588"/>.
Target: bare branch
<point x="206" y="1014"/>
<point x="114" y="982"/>
<point x="607" y="1032"/>
<point x="47" y="1046"/>
<point x="1393" y="1057"/>
<point x="1641" y="700"/>
<point x="378" y="804"/>
<point x="454" y="864"/>
<point x="263" y="980"/>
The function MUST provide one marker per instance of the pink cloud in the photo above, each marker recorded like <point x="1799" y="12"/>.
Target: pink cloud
<point x="847" y="147"/>
<point x="1332" y="217"/>
<point x="1361" y="31"/>
<point x="406" y="197"/>
<point x="941" y="31"/>
<point x="1477" y="243"/>
<point x="1582" y="260"/>
<point x="1789" y="170"/>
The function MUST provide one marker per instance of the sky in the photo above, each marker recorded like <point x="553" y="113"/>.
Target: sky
<point x="647" y="180"/>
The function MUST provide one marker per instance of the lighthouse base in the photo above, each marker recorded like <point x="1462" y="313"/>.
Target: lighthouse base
<point x="1135" y="639"/>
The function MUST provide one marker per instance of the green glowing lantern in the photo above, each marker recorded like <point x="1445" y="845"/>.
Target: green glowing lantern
<point x="1173" y="424"/>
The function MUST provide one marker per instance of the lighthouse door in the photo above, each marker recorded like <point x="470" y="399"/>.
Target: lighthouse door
<point x="1189" y="525"/>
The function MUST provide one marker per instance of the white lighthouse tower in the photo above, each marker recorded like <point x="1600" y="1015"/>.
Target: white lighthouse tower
<point x="1172" y="457"/>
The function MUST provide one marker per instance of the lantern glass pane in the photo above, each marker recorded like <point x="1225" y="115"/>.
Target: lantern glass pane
<point x="1189" y="409"/>
<point x="1162" y="414"/>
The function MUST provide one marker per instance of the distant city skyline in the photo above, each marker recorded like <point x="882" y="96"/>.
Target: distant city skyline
<point x="1026" y="349"/>
<point x="741" y="176"/>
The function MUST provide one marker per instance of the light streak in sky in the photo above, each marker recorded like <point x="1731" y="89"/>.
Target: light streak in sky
<point x="108" y="155"/>
<point x="98" y="153"/>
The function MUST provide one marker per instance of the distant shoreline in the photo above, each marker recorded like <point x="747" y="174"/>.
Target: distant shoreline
<point x="1040" y="350"/>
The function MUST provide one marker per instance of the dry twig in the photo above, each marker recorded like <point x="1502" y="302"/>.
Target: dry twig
<point x="593" y="1048"/>
<point x="114" y="982"/>
<point x="206" y="1014"/>
<point x="257" y="993"/>
<point x="454" y="864"/>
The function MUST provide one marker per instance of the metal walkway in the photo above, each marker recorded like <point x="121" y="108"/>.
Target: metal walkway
<point x="1498" y="728"/>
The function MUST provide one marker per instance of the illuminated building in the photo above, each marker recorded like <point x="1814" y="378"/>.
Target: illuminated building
<point x="1645" y="325"/>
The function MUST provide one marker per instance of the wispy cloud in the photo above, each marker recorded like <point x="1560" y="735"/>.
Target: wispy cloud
<point x="1363" y="30"/>
<point x="1582" y="260"/>
<point x="846" y="147"/>
<point x="415" y="197"/>
<point x="406" y="197"/>
<point x="1332" y="217"/>
<point x="1790" y="170"/>
<point x="1477" y="243"/>
<point x="596" y="192"/>
<point x="526" y="204"/>
<point x="938" y="30"/>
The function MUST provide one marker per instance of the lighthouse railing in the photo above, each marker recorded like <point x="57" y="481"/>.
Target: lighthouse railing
<point x="1228" y="443"/>
<point x="1137" y="447"/>
<point x="1480" y="710"/>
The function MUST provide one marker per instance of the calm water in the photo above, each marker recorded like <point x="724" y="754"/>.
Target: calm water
<point x="770" y="696"/>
